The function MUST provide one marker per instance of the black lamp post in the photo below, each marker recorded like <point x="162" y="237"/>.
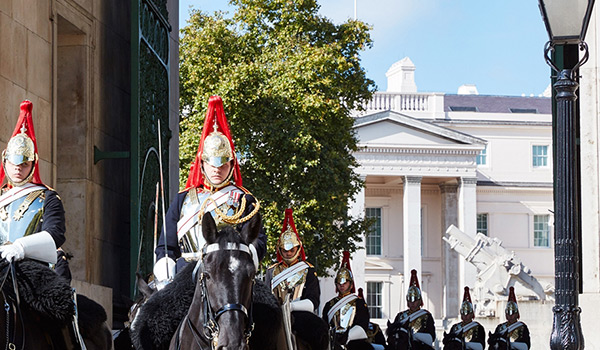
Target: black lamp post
<point x="566" y="23"/>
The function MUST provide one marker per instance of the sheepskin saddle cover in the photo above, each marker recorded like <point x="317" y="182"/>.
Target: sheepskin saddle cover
<point x="40" y="289"/>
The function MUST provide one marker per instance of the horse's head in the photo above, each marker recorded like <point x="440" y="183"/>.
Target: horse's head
<point x="496" y="341"/>
<point x="397" y="336"/>
<point x="225" y="280"/>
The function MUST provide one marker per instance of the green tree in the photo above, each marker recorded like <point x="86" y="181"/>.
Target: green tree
<point x="289" y="78"/>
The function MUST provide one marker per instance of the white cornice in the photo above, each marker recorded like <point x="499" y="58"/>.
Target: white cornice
<point x="438" y="149"/>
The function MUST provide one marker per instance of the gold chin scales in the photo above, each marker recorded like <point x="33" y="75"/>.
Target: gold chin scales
<point x="235" y="218"/>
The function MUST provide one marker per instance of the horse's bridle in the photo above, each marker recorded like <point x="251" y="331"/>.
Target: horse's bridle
<point x="210" y="329"/>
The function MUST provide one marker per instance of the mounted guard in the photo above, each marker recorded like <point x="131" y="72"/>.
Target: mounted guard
<point x="293" y="280"/>
<point x="214" y="186"/>
<point x="347" y="314"/>
<point x="416" y="321"/>
<point x="468" y="334"/>
<point x="32" y="216"/>
<point x="32" y="227"/>
<point x="513" y="332"/>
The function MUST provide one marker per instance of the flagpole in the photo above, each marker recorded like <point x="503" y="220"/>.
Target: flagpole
<point x="355" y="10"/>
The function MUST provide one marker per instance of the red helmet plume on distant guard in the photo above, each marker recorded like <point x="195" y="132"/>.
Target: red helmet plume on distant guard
<point x="215" y="148"/>
<point x="22" y="147"/>
<point x="344" y="273"/>
<point x="289" y="239"/>
<point x="414" y="291"/>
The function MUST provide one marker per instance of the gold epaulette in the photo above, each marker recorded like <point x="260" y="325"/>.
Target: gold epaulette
<point x="309" y="264"/>
<point x="244" y="189"/>
<point x="273" y="266"/>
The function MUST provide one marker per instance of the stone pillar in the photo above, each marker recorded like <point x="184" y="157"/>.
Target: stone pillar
<point x="450" y="263"/>
<point x="411" y="217"/>
<point x="357" y="261"/>
<point x="467" y="222"/>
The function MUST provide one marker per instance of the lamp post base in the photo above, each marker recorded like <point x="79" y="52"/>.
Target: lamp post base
<point x="566" y="330"/>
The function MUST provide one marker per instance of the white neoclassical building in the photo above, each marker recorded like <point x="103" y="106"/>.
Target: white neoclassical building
<point x="431" y="160"/>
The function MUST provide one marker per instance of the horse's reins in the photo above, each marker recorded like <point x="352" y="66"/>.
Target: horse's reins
<point x="10" y="345"/>
<point x="210" y="330"/>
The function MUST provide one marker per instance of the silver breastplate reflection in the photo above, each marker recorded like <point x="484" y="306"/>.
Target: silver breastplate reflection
<point x="21" y="217"/>
<point x="293" y="284"/>
<point x="191" y="242"/>
<point x="345" y="316"/>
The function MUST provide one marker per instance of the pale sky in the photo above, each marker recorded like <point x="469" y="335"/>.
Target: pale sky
<point x="496" y="45"/>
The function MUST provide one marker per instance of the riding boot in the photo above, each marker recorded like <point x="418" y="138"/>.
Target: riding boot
<point x="75" y="324"/>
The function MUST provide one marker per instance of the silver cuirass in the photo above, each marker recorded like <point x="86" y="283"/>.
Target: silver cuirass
<point x="289" y="283"/>
<point x="21" y="217"/>
<point x="345" y="316"/>
<point x="192" y="241"/>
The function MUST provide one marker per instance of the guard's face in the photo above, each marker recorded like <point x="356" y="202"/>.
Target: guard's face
<point x="414" y="305"/>
<point x="468" y="317"/>
<point x="288" y="254"/>
<point x="344" y="287"/>
<point x="216" y="175"/>
<point x="18" y="173"/>
<point x="512" y="318"/>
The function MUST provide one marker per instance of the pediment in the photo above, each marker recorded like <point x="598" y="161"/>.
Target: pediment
<point x="395" y="129"/>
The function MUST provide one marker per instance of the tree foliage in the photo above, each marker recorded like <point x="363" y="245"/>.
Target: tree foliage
<point x="289" y="78"/>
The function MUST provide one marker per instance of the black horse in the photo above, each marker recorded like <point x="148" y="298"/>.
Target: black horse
<point x="39" y="308"/>
<point x="497" y="341"/>
<point x="452" y="342"/>
<point x="400" y="337"/>
<point x="221" y="311"/>
<point x="215" y="301"/>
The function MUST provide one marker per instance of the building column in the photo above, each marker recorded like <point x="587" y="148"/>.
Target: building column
<point x="357" y="210"/>
<point x="467" y="222"/>
<point x="450" y="262"/>
<point x="411" y="217"/>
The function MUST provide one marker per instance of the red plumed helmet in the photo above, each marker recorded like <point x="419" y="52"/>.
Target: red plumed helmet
<point x="344" y="273"/>
<point x="414" y="291"/>
<point x="215" y="147"/>
<point x="22" y="146"/>
<point x="289" y="239"/>
<point x="467" y="305"/>
<point x="511" y="306"/>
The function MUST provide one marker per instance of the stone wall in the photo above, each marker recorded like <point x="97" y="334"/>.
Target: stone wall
<point x="71" y="58"/>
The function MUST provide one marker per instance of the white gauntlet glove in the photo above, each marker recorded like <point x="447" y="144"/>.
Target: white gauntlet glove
<point x="164" y="271"/>
<point x="12" y="252"/>
<point x="39" y="246"/>
<point x="356" y="333"/>
<point x="302" y="305"/>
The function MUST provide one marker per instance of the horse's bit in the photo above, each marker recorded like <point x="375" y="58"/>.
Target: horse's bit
<point x="210" y="330"/>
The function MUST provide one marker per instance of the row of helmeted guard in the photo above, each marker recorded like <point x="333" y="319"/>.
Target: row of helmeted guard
<point x="348" y="317"/>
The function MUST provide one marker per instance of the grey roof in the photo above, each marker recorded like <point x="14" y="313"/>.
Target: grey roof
<point x="498" y="104"/>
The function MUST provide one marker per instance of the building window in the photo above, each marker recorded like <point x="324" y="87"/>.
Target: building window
<point x="374" y="235"/>
<point x="374" y="298"/>
<point x="540" y="156"/>
<point x="482" y="157"/>
<point x="482" y="223"/>
<point x="541" y="231"/>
